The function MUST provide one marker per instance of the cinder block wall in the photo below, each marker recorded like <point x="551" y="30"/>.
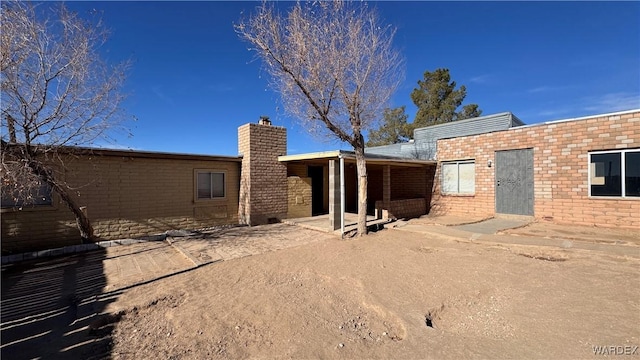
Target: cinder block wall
<point x="125" y="196"/>
<point x="263" y="183"/>
<point x="560" y="152"/>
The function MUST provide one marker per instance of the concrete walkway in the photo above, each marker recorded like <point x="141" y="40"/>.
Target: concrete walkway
<point x="493" y="226"/>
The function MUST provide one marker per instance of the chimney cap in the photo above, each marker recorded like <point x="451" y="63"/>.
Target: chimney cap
<point x="264" y="120"/>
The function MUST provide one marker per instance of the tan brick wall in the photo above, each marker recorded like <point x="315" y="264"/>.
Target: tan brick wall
<point x="299" y="197"/>
<point x="560" y="153"/>
<point x="263" y="184"/>
<point x="125" y="196"/>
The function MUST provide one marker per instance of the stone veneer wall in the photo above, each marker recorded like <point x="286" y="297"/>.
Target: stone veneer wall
<point x="299" y="197"/>
<point x="263" y="181"/>
<point x="560" y="151"/>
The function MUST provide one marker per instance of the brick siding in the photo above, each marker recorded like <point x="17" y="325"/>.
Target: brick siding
<point x="124" y="196"/>
<point x="560" y="151"/>
<point x="263" y="183"/>
<point x="399" y="209"/>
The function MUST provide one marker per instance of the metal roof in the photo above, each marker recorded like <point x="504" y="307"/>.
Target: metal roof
<point x="350" y="155"/>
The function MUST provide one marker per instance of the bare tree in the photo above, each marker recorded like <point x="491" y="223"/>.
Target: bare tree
<point x="57" y="93"/>
<point x="335" y="67"/>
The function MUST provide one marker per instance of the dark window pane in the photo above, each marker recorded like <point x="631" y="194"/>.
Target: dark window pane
<point x="204" y="185"/>
<point x="606" y="175"/>
<point x="12" y="197"/>
<point x="632" y="173"/>
<point x="218" y="184"/>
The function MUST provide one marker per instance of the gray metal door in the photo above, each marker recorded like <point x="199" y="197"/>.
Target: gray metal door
<point x="514" y="182"/>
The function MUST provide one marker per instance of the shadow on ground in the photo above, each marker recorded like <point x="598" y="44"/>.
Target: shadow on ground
<point x="51" y="308"/>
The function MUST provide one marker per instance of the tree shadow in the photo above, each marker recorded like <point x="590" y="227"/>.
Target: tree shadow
<point x="52" y="308"/>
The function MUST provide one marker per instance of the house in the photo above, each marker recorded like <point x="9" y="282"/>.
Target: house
<point x="580" y="171"/>
<point x="583" y="171"/>
<point x="127" y="194"/>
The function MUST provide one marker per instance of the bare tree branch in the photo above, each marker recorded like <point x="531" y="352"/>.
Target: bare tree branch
<point x="57" y="92"/>
<point x="333" y="64"/>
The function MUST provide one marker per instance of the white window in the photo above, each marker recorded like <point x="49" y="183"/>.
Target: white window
<point x="210" y="185"/>
<point x="459" y="177"/>
<point x="614" y="173"/>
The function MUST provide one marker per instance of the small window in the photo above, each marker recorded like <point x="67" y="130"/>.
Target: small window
<point x="614" y="173"/>
<point x="459" y="177"/>
<point x="13" y="196"/>
<point x="210" y="185"/>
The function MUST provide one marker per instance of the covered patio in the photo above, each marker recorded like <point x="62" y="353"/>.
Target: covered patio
<point x="323" y="188"/>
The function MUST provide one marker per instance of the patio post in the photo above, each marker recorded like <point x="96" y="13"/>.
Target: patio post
<point x="334" y="195"/>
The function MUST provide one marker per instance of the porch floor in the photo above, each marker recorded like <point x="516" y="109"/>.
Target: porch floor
<point x="321" y="222"/>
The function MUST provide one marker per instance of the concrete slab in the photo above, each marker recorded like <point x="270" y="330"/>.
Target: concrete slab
<point x="321" y="222"/>
<point x="493" y="226"/>
<point x="448" y="220"/>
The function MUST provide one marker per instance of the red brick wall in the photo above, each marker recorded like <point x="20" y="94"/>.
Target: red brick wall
<point x="409" y="183"/>
<point x="399" y="209"/>
<point x="560" y="152"/>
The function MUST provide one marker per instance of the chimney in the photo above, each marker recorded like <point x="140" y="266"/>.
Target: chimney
<point x="263" y="179"/>
<point x="264" y="120"/>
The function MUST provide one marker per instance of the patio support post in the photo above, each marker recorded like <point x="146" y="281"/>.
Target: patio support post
<point x="334" y="195"/>
<point x="386" y="192"/>
<point x="342" y="200"/>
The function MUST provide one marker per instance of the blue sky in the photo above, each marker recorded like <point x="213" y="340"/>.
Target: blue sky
<point x="193" y="81"/>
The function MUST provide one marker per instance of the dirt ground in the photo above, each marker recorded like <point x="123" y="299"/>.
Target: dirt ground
<point x="392" y="294"/>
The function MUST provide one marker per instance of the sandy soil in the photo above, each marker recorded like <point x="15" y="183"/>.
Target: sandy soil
<point x="393" y="294"/>
<point x="582" y="233"/>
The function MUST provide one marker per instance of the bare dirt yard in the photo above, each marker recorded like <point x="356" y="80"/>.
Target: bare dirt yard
<point x="393" y="294"/>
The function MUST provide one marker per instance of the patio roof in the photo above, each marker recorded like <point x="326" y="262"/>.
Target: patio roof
<point x="350" y="156"/>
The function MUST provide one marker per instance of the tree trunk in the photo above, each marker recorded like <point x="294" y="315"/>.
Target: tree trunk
<point x="11" y="124"/>
<point x="361" y="166"/>
<point x="84" y="225"/>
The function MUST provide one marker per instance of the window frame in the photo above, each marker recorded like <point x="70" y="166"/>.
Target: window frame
<point x="623" y="158"/>
<point x="196" y="172"/>
<point x="33" y="206"/>
<point x="457" y="163"/>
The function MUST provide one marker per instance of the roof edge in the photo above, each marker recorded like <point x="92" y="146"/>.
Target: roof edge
<point x="623" y="112"/>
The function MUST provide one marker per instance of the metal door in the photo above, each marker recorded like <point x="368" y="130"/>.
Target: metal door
<point x="514" y="182"/>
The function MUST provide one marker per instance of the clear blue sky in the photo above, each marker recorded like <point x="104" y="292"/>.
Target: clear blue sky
<point x="193" y="81"/>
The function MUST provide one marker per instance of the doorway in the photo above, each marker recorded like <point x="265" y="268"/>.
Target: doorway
<point x="316" y="173"/>
<point x="514" y="182"/>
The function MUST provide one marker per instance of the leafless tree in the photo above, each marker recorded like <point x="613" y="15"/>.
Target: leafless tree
<point x="335" y="67"/>
<point x="57" y="93"/>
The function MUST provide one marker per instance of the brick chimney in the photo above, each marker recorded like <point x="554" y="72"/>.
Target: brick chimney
<point x="263" y="179"/>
